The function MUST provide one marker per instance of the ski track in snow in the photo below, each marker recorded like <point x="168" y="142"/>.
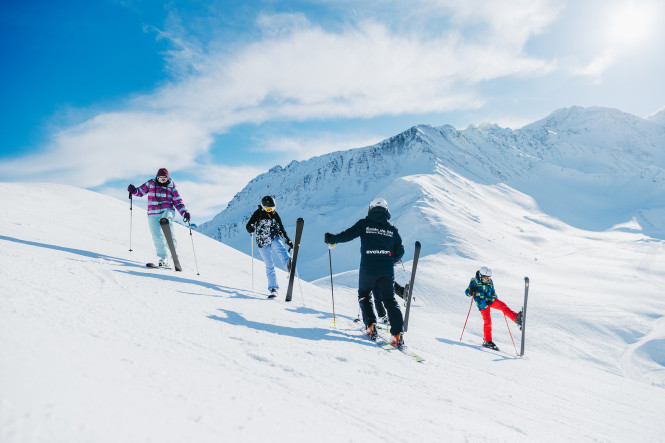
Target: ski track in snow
<point x="97" y="347"/>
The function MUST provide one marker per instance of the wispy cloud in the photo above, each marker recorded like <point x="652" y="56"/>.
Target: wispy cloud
<point x="310" y="145"/>
<point x="597" y="66"/>
<point x="298" y="71"/>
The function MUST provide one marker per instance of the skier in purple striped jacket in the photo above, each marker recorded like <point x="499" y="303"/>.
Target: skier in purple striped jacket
<point x="163" y="198"/>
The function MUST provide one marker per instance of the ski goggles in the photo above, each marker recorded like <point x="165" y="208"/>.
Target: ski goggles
<point x="269" y="208"/>
<point x="162" y="179"/>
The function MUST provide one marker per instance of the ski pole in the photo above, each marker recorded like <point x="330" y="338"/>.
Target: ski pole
<point x="357" y="319"/>
<point x="332" y="290"/>
<point x="131" y="219"/>
<point x="467" y="319"/>
<point x="194" y="250"/>
<point x="252" y="240"/>
<point x="510" y="333"/>
<point x="300" y="286"/>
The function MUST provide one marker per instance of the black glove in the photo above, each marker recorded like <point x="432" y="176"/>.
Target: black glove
<point x="250" y="229"/>
<point x="290" y="244"/>
<point x="186" y="217"/>
<point x="131" y="189"/>
<point x="326" y="238"/>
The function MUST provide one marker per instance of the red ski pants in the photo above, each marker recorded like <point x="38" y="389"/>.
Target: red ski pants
<point x="487" y="317"/>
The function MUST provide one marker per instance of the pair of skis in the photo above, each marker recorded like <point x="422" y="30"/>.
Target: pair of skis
<point x="166" y="229"/>
<point x="383" y="343"/>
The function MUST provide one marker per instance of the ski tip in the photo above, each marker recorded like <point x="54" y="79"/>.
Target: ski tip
<point x="526" y="280"/>
<point x="417" y="244"/>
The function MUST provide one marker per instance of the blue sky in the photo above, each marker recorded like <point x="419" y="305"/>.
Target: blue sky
<point x="101" y="93"/>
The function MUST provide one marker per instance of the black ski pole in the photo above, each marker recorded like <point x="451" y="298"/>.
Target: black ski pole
<point x="332" y="290"/>
<point x="194" y="250"/>
<point x="131" y="219"/>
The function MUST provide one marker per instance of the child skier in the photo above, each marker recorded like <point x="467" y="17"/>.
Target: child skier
<point x="380" y="248"/>
<point x="269" y="234"/>
<point x="163" y="197"/>
<point x="481" y="288"/>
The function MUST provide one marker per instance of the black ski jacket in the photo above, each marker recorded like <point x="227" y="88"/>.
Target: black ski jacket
<point x="380" y="243"/>
<point x="268" y="226"/>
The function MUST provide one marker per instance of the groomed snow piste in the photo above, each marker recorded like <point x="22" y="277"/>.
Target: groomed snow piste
<point x="96" y="347"/>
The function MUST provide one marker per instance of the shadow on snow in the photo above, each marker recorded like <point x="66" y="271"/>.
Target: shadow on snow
<point x="476" y="347"/>
<point x="315" y="334"/>
<point x="81" y="252"/>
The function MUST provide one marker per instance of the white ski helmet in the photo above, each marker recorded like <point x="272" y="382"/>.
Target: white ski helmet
<point x="485" y="272"/>
<point x="378" y="202"/>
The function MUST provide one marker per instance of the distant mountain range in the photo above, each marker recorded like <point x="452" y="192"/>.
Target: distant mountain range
<point x="592" y="168"/>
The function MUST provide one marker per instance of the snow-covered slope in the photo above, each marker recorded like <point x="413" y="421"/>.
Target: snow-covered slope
<point x="96" y="347"/>
<point x="592" y="168"/>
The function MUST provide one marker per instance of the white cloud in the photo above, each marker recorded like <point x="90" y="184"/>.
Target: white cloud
<point x="311" y="145"/>
<point x="297" y="71"/>
<point x="111" y="146"/>
<point x="597" y="66"/>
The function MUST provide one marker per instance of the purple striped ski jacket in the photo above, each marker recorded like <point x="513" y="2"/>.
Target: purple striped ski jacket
<point x="161" y="197"/>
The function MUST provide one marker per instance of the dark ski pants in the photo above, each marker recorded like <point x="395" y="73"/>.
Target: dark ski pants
<point x="378" y="304"/>
<point x="380" y="310"/>
<point x="487" y="317"/>
<point x="382" y="286"/>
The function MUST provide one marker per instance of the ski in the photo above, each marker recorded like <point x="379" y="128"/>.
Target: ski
<point x="300" y="223"/>
<point x="416" y="254"/>
<point x="526" y="296"/>
<point x="493" y="351"/>
<point x="166" y="228"/>
<point x="156" y="266"/>
<point x="385" y="344"/>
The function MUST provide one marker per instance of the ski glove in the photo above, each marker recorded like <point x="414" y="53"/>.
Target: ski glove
<point x="131" y="189"/>
<point x="186" y="217"/>
<point x="326" y="237"/>
<point x="250" y="229"/>
<point x="289" y="243"/>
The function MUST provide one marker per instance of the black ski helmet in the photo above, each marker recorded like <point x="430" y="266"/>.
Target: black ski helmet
<point x="267" y="202"/>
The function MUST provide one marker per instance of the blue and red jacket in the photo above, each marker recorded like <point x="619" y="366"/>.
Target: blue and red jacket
<point x="482" y="292"/>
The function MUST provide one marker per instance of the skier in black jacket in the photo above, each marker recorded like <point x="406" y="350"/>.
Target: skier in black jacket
<point x="380" y="248"/>
<point x="269" y="234"/>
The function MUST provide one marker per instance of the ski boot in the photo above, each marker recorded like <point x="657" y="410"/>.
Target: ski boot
<point x="397" y="340"/>
<point x="490" y="344"/>
<point x="371" y="331"/>
<point x="163" y="263"/>
<point x="273" y="293"/>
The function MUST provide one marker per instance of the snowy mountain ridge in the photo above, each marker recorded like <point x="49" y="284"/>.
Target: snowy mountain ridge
<point x="592" y="168"/>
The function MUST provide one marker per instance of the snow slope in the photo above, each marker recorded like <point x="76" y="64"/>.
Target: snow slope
<point x="96" y="347"/>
